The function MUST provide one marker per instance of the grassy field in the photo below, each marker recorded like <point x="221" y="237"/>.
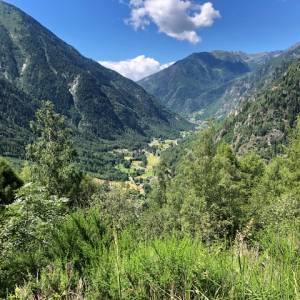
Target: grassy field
<point x="152" y="162"/>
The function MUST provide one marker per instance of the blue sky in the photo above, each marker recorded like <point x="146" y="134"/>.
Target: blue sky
<point x="97" y="28"/>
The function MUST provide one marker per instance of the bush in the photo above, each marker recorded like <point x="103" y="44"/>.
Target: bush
<point x="25" y="232"/>
<point x="174" y="268"/>
<point x="9" y="183"/>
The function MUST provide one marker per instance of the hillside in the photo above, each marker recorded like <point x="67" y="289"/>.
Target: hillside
<point x="99" y="103"/>
<point x="263" y="122"/>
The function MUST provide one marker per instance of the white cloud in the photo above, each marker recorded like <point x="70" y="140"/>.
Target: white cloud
<point x="179" y="19"/>
<point x="136" y="68"/>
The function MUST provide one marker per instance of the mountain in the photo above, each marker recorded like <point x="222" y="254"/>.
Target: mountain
<point x="255" y="60"/>
<point x="263" y="122"/>
<point x="189" y="84"/>
<point x="264" y="72"/>
<point x="206" y="85"/>
<point x="99" y="103"/>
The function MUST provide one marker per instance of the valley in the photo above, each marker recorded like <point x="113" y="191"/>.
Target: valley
<point x="177" y="180"/>
<point x="139" y="166"/>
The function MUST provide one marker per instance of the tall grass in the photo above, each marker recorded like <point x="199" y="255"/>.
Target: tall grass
<point x="94" y="264"/>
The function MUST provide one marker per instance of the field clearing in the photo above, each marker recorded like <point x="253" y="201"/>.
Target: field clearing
<point x="138" y="174"/>
<point x="124" y="185"/>
<point x="152" y="163"/>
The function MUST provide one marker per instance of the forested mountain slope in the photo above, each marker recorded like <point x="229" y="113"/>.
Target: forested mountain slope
<point x="99" y="103"/>
<point x="265" y="119"/>
<point x="16" y="109"/>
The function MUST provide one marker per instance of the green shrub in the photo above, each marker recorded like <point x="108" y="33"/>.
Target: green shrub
<point x="9" y="183"/>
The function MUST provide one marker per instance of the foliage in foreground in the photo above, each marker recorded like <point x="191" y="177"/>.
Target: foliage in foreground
<point x="168" y="268"/>
<point x="215" y="226"/>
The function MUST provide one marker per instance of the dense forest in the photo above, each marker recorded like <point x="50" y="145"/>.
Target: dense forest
<point x="214" y="225"/>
